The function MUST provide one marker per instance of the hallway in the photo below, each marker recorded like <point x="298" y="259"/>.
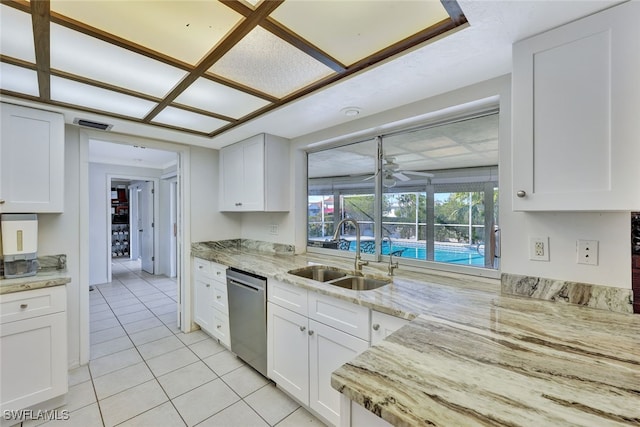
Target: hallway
<point x="145" y="372"/>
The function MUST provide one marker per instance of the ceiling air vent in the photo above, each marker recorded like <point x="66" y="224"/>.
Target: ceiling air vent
<point x="92" y="125"/>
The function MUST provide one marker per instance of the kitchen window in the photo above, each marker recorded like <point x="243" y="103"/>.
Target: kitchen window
<point x="431" y="191"/>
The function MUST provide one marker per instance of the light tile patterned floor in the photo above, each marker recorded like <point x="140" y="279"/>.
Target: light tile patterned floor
<point x="145" y="372"/>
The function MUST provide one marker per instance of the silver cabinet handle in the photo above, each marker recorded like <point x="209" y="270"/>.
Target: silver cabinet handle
<point x="310" y="332"/>
<point x="219" y="326"/>
<point x="218" y="273"/>
<point x="521" y="193"/>
<point x="303" y="328"/>
<point x="208" y="285"/>
<point x="1" y="201"/>
<point x="23" y="306"/>
<point x="239" y="204"/>
<point x="200" y="267"/>
<point x="218" y="296"/>
<point x="375" y="326"/>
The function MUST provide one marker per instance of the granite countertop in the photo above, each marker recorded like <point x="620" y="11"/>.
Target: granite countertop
<point x="472" y="356"/>
<point x="406" y="297"/>
<point x="41" y="280"/>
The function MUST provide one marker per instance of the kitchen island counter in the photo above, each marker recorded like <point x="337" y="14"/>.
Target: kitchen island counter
<point x="472" y="356"/>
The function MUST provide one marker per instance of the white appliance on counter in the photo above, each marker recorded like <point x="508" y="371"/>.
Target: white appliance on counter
<point x="19" y="244"/>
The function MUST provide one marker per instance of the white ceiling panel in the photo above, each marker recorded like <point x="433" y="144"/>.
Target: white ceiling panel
<point x="211" y="96"/>
<point x="188" y="120"/>
<point x="183" y="29"/>
<point x="89" y="57"/>
<point x="339" y="29"/>
<point x="18" y="79"/>
<point x="72" y="92"/>
<point x="16" y="37"/>
<point x="269" y="64"/>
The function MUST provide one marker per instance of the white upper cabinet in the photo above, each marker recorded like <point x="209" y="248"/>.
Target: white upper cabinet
<point x="31" y="160"/>
<point x="576" y="98"/>
<point x="254" y="175"/>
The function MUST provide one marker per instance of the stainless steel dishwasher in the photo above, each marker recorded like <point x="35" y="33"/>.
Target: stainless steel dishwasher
<point x="247" y="295"/>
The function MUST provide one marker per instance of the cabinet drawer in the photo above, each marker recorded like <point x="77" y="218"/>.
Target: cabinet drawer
<point x="220" y="297"/>
<point x="221" y="327"/>
<point x="201" y="266"/>
<point x="218" y="272"/>
<point x="28" y="304"/>
<point x="342" y="315"/>
<point x="288" y="296"/>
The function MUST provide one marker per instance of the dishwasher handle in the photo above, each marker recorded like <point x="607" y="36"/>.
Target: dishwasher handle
<point x="250" y="286"/>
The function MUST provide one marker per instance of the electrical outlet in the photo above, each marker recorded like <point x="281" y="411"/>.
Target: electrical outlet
<point x="587" y="251"/>
<point x="539" y="248"/>
<point x="273" y="229"/>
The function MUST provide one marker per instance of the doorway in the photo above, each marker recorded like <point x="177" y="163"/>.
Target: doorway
<point x="142" y="222"/>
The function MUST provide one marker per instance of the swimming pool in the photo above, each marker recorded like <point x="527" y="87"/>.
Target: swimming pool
<point x="443" y="253"/>
<point x="464" y="255"/>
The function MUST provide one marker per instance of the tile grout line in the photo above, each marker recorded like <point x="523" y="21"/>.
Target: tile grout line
<point x="199" y="359"/>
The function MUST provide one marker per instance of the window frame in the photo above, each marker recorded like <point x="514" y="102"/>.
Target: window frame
<point x="431" y="189"/>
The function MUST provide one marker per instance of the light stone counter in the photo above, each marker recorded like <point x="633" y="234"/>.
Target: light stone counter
<point x="40" y="280"/>
<point x="473" y="356"/>
<point x="410" y="294"/>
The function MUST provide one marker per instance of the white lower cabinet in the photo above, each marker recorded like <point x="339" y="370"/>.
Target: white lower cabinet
<point x="288" y="351"/>
<point x="329" y="349"/>
<point x="202" y="294"/>
<point x="33" y="347"/>
<point x="383" y="325"/>
<point x="211" y="309"/>
<point x="303" y="352"/>
<point x="357" y="416"/>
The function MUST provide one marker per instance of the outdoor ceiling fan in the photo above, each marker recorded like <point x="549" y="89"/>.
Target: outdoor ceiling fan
<point x="392" y="172"/>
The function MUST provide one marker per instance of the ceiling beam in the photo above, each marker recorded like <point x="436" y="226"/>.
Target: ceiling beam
<point x="288" y="36"/>
<point x="40" y="21"/>
<point x="382" y="55"/>
<point x="455" y="11"/>
<point x="236" y="35"/>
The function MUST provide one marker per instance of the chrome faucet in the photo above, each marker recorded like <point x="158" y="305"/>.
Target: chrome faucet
<point x="392" y="265"/>
<point x="358" y="261"/>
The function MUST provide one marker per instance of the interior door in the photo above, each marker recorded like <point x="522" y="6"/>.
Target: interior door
<point x="145" y="209"/>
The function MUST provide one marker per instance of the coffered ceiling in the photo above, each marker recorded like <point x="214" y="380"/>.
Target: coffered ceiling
<point x="201" y="67"/>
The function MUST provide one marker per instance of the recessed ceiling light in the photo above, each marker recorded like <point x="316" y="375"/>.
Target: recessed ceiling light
<point x="351" y="111"/>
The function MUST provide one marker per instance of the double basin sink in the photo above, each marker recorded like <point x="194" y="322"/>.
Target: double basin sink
<point x="340" y="278"/>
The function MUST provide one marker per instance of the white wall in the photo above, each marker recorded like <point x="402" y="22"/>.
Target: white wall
<point x="59" y="234"/>
<point x="610" y="229"/>
<point x="207" y="223"/>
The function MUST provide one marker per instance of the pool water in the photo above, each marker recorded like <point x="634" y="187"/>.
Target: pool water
<point x="443" y="253"/>
<point x="466" y="256"/>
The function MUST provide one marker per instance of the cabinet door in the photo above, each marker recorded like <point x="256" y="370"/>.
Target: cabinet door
<point x="288" y="351"/>
<point x="383" y="325"/>
<point x="254" y="184"/>
<point x="202" y="298"/>
<point x="34" y="361"/>
<point x="232" y="178"/>
<point x="31" y="160"/>
<point x="329" y="349"/>
<point x="575" y="136"/>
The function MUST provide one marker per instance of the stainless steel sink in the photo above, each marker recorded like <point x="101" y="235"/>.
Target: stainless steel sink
<point x="341" y="278"/>
<point x="357" y="283"/>
<point x="320" y="273"/>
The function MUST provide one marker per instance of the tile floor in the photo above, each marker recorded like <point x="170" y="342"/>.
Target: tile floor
<point x="145" y="372"/>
